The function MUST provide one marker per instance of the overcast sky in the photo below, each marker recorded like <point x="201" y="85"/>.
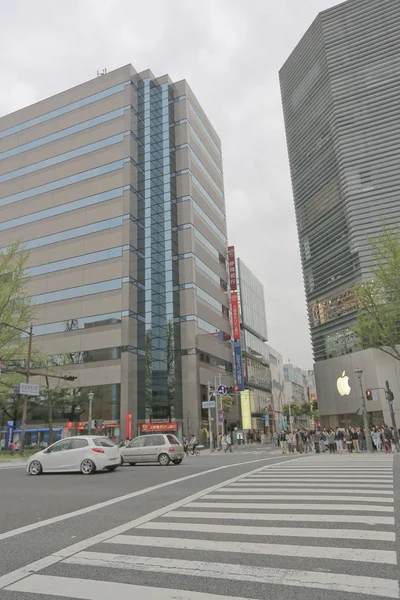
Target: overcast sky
<point x="230" y="52"/>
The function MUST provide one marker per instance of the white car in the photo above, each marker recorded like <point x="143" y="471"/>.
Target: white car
<point x="84" y="453"/>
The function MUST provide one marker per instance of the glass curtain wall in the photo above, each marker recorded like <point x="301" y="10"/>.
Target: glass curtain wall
<point x="159" y="370"/>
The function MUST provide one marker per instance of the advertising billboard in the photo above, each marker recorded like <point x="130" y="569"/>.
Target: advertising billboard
<point x="235" y="316"/>
<point x="245" y="407"/>
<point x="237" y="348"/>
<point x="232" y="268"/>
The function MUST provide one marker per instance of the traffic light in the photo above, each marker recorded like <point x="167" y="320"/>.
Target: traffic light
<point x="368" y="394"/>
<point x="232" y="389"/>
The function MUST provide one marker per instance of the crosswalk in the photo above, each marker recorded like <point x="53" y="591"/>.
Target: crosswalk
<point x="320" y="526"/>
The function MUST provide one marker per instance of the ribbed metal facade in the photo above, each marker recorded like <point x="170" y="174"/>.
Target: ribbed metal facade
<point x="340" y="93"/>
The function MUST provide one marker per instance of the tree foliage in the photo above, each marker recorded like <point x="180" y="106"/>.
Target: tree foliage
<point x="227" y="402"/>
<point x="15" y="308"/>
<point x="378" y="324"/>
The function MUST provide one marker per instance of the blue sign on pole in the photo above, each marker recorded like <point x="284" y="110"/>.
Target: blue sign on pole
<point x="9" y="434"/>
<point x="237" y="348"/>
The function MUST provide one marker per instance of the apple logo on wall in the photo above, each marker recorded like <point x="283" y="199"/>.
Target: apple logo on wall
<point x="342" y="385"/>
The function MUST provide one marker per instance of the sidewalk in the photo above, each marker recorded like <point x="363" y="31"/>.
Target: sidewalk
<point x="247" y="448"/>
<point x="6" y="462"/>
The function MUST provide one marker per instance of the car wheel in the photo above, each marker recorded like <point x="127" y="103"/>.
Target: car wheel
<point x="35" y="468"/>
<point x="177" y="461"/>
<point x="112" y="468"/>
<point x="87" y="467"/>
<point x="164" y="459"/>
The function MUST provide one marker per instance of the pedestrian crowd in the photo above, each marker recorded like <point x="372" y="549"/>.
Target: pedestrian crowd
<point x="334" y="441"/>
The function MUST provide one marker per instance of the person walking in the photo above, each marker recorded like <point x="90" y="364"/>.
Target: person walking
<point x="339" y="437"/>
<point x="284" y="442"/>
<point x="349" y="441"/>
<point x="323" y="440"/>
<point x="317" y="441"/>
<point x="376" y="438"/>
<point x="387" y="439"/>
<point x="291" y="441"/>
<point x="228" y="440"/>
<point x="354" y="437"/>
<point x="362" y="440"/>
<point x="330" y="438"/>
<point x="194" y="442"/>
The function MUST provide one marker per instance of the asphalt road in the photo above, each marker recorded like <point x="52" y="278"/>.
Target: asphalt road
<point x="243" y="526"/>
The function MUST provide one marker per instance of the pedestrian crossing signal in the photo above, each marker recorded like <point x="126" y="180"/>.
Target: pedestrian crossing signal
<point x="368" y="393"/>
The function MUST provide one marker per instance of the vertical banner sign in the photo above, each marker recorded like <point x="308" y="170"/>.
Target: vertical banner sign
<point x="246" y="411"/>
<point x="235" y="316"/>
<point x="9" y="434"/>
<point x="128" y="425"/>
<point x="232" y="268"/>
<point x="238" y="364"/>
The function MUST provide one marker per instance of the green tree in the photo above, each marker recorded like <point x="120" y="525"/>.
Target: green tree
<point x="305" y="408"/>
<point x="15" y="308"/>
<point x="227" y="402"/>
<point x="295" y="410"/>
<point x="378" y="323"/>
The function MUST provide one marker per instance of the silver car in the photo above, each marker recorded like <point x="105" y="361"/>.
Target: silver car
<point x="158" y="447"/>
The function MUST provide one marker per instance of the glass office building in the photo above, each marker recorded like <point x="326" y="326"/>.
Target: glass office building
<point x="116" y="188"/>
<point x="253" y="328"/>
<point x="340" y="89"/>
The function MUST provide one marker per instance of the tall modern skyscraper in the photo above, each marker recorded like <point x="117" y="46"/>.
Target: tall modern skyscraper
<point x="340" y="89"/>
<point x="116" y="188"/>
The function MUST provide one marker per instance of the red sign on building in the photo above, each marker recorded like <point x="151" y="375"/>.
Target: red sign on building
<point x="128" y="425"/>
<point x="232" y="268"/>
<point x="235" y="316"/>
<point x="159" y="427"/>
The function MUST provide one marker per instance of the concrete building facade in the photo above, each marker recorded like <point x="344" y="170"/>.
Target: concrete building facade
<point x="116" y="189"/>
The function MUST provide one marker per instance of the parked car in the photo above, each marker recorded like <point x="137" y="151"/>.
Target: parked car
<point x="84" y="453"/>
<point x="159" y="447"/>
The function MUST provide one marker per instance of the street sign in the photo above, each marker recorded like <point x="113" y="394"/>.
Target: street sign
<point x="222" y="389"/>
<point x="209" y="404"/>
<point x="220" y="419"/>
<point x="220" y="411"/>
<point x="30" y="389"/>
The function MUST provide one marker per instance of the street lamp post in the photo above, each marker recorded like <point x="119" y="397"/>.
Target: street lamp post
<point x="358" y="372"/>
<point x="90" y="396"/>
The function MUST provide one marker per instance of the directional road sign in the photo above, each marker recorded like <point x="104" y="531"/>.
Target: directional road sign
<point x="222" y="389"/>
<point x="209" y="404"/>
<point x="30" y="389"/>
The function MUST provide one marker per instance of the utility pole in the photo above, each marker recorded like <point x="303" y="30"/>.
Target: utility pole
<point x="390" y="397"/>
<point x="25" y="407"/>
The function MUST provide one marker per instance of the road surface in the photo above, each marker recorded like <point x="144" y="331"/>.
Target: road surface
<point x="243" y="526"/>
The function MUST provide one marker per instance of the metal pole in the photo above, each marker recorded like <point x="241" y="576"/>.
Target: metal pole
<point x="290" y="417"/>
<point x="90" y="414"/>
<point x="210" y="430"/>
<point x="368" y="437"/>
<point x="390" y="398"/>
<point x="25" y="407"/>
